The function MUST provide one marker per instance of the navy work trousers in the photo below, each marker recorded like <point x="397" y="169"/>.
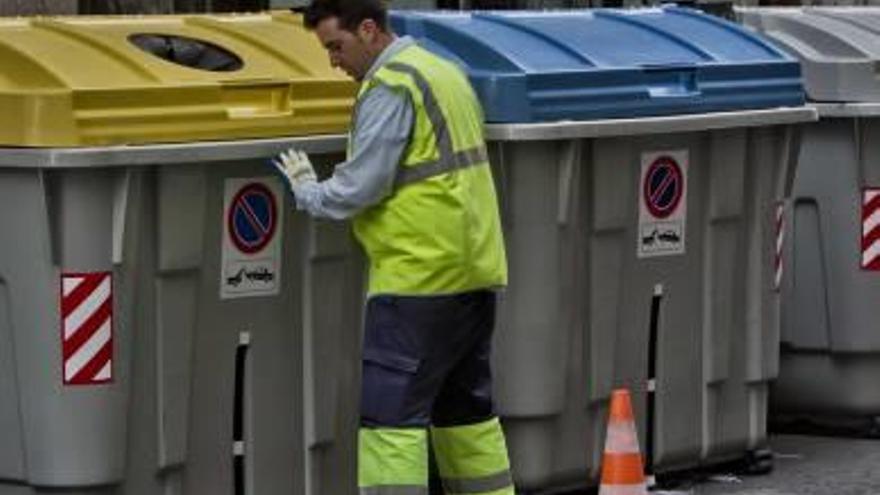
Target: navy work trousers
<point x="426" y="360"/>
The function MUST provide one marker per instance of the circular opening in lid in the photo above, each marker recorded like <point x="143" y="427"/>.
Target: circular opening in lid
<point x="188" y="52"/>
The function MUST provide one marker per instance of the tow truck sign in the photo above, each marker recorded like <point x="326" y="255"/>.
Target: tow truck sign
<point x="252" y="217"/>
<point x="662" y="203"/>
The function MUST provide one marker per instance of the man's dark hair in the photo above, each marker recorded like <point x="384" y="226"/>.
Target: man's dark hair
<point x="349" y="12"/>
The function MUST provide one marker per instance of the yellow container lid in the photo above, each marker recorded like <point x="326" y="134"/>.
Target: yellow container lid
<point x="92" y="81"/>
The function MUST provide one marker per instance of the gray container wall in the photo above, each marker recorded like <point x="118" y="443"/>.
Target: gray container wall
<point x="188" y="342"/>
<point x="554" y="431"/>
<point x="51" y="219"/>
<point x="831" y="348"/>
<point x="165" y="424"/>
<point x="335" y="276"/>
<point x="574" y="322"/>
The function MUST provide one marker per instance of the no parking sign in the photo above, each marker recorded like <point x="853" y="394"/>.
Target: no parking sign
<point x="662" y="203"/>
<point x="252" y="216"/>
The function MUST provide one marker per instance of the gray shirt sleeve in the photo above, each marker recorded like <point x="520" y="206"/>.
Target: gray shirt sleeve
<point x="381" y="132"/>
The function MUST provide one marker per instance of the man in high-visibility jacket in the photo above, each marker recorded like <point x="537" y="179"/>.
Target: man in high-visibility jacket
<point x="419" y="189"/>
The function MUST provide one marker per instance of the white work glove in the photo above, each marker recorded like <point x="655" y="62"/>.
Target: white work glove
<point x="295" y="166"/>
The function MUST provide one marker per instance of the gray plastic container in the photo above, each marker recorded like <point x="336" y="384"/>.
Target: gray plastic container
<point x="167" y="319"/>
<point x="830" y="358"/>
<point x="155" y="217"/>
<point x="639" y="183"/>
<point x="579" y="326"/>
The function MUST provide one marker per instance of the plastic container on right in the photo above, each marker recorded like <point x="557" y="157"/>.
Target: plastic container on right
<point x="830" y="355"/>
<point x="640" y="157"/>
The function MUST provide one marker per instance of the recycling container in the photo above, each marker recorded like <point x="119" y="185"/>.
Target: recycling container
<point x="830" y="356"/>
<point x="164" y="311"/>
<point x="640" y="156"/>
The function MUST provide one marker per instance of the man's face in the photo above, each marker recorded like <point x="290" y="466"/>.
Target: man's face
<point x="350" y="51"/>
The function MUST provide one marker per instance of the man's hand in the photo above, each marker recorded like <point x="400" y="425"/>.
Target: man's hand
<point x="296" y="167"/>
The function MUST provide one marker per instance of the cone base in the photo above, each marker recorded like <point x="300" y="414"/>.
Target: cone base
<point x="639" y="489"/>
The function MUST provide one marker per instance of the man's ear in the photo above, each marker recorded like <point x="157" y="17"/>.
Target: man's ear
<point x="367" y="30"/>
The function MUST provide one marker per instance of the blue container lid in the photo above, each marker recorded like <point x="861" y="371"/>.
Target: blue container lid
<point x="536" y="66"/>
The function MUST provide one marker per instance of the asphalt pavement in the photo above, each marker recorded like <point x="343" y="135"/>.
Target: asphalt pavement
<point x="805" y="465"/>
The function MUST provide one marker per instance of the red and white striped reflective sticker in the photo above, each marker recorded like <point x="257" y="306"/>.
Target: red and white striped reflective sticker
<point x="780" y="242"/>
<point x="871" y="229"/>
<point x="87" y="328"/>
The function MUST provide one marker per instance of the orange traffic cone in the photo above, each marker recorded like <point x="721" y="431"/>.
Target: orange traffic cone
<point x="622" y="471"/>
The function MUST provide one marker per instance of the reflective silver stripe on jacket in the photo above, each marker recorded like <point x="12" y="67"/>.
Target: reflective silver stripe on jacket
<point x="485" y="484"/>
<point x="394" y="490"/>
<point x="449" y="160"/>
<point x="425" y="170"/>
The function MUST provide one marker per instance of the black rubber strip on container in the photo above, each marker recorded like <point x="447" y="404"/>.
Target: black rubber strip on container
<point x="238" y="418"/>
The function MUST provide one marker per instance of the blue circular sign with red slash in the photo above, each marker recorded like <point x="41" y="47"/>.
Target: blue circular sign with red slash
<point x="663" y="187"/>
<point x="252" y="218"/>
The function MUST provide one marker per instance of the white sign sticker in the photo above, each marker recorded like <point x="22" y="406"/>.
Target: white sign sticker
<point x="662" y="203"/>
<point x="252" y="230"/>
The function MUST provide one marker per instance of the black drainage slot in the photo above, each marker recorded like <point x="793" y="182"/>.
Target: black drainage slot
<point x="188" y="52"/>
